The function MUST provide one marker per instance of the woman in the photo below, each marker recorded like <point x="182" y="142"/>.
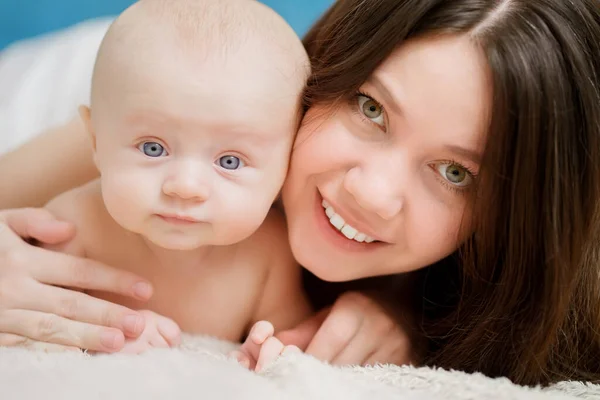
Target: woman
<point x="460" y="136"/>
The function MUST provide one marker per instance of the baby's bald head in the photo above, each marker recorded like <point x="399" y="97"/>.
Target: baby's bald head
<point x="182" y="30"/>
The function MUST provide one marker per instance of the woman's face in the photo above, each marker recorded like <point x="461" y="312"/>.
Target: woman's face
<point x="379" y="185"/>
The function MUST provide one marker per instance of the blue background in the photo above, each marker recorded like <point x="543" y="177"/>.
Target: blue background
<point x="21" y="19"/>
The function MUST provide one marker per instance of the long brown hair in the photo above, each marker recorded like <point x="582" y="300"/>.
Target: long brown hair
<point x="526" y="299"/>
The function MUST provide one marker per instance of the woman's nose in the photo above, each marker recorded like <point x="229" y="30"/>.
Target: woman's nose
<point x="376" y="191"/>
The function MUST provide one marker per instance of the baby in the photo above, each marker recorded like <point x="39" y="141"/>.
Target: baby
<point x="194" y="108"/>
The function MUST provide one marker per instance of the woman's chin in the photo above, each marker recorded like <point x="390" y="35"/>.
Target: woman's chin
<point x="323" y="267"/>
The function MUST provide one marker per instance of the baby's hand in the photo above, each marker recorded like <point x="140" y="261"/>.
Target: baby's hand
<point x="160" y="332"/>
<point x="261" y="347"/>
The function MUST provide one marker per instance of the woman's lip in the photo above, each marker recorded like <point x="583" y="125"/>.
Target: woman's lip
<point x="336" y="237"/>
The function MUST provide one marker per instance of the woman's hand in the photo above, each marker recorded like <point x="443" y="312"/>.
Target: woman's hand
<point x="355" y="330"/>
<point x="35" y="305"/>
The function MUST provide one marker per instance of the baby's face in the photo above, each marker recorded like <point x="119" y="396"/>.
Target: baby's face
<point x="194" y="153"/>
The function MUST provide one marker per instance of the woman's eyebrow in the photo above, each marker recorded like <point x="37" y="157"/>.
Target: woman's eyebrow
<point x="388" y="97"/>
<point x="471" y="155"/>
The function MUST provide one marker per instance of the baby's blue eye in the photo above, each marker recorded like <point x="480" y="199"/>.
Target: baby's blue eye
<point x="230" y="162"/>
<point x="152" y="149"/>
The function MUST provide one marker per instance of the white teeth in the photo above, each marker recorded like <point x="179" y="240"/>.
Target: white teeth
<point x="338" y="222"/>
<point x="349" y="231"/>
<point x="329" y="211"/>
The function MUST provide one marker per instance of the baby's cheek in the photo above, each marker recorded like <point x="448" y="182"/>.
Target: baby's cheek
<point x="241" y="215"/>
<point x="126" y="197"/>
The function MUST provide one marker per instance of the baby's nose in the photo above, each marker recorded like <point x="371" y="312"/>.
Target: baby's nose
<point x="187" y="185"/>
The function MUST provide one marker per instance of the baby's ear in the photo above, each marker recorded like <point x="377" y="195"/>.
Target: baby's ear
<point x="85" y="113"/>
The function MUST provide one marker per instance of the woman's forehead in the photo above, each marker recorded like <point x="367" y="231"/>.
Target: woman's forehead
<point x="439" y="84"/>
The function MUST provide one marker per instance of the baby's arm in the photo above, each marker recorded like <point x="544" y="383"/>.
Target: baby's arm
<point x="283" y="304"/>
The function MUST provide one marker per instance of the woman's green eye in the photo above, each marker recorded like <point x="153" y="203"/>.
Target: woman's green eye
<point x="455" y="174"/>
<point x="371" y="109"/>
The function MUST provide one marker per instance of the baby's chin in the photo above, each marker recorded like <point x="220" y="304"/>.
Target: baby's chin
<point x="189" y="242"/>
<point x="178" y="244"/>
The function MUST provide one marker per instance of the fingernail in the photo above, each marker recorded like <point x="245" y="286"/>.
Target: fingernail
<point x="142" y="290"/>
<point x="291" y="349"/>
<point x="260" y="332"/>
<point x="133" y="324"/>
<point x="169" y="328"/>
<point x="258" y="367"/>
<point x="109" y="340"/>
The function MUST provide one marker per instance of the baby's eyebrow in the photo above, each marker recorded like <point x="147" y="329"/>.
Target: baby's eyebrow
<point x="143" y="117"/>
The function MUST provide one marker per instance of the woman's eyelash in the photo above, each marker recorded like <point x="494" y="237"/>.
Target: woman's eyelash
<point x="458" y="164"/>
<point x="354" y="106"/>
<point x="455" y="188"/>
<point x="360" y="93"/>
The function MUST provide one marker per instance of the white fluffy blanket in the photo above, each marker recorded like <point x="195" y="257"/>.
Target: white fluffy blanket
<point x="200" y="370"/>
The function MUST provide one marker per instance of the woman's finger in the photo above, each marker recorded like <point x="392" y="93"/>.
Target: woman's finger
<point x="9" y="340"/>
<point x="80" y="307"/>
<point x="336" y="332"/>
<point x="65" y="270"/>
<point x="303" y="333"/>
<point x="37" y="223"/>
<point x="364" y="343"/>
<point x="400" y="354"/>
<point x="52" y="328"/>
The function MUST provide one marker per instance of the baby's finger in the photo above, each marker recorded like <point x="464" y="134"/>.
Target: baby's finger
<point x="261" y="331"/>
<point x="291" y="349"/>
<point x="169" y="330"/>
<point x="257" y="336"/>
<point x="156" y="340"/>
<point x="269" y="351"/>
<point x="241" y="358"/>
<point x="136" y="346"/>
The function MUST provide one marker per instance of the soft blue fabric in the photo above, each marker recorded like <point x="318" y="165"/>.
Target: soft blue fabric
<point x="21" y="19"/>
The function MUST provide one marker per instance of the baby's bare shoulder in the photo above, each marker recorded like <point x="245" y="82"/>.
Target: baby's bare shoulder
<point x="77" y="205"/>
<point x="84" y="208"/>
